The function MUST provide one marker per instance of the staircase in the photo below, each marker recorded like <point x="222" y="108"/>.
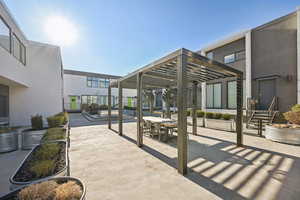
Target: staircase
<point x="265" y="116"/>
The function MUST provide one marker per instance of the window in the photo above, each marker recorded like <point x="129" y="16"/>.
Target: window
<point x="231" y="94"/>
<point x="95" y="99"/>
<point x="213" y="95"/>
<point x="240" y="55"/>
<point x="4" y="35"/>
<point x="18" y="49"/>
<point x="229" y="58"/>
<point x="210" y="55"/>
<point x="97" y="82"/>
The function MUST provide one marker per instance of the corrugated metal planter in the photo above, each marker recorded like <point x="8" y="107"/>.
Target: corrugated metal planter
<point x="62" y="172"/>
<point x="15" y="192"/>
<point x="226" y="125"/>
<point x="31" y="138"/>
<point x="284" y="135"/>
<point x="9" y="141"/>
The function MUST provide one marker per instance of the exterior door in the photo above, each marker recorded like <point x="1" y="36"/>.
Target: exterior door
<point x="3" y="106"/>
<point x="266" y="93"/>
<point x="73" y="103"/>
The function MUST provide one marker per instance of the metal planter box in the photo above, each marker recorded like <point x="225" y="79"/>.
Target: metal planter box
<point x="226" y="125"/>
<point x="31" y="138"/>
<point x="9" y="141"/>
<point x="63" y="172"/>
<point x="59" y="179"/>
<point x="284" y="135"/>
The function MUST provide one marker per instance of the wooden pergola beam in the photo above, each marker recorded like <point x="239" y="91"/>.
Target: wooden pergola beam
<point x="139" y="110"/>
<point x="120" y="108"/>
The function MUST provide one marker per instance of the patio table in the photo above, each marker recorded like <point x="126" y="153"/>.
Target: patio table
<point x="158" y="121"/>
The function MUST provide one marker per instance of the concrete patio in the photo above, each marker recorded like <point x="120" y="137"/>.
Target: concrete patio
<point x="113" y="167"/>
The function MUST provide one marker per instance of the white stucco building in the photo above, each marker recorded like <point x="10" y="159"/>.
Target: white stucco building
<point x="31" y="74"/>
<point x="86" y="88"/>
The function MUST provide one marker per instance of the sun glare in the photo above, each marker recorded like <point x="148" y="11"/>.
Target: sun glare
<point x="61" y="31"/>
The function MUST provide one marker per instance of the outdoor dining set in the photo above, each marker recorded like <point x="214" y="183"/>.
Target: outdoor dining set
<point x="158" y="126"/>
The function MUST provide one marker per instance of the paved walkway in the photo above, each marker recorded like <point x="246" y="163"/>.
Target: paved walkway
<point x="113" y="167"/>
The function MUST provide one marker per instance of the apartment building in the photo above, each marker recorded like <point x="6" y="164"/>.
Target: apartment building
<point x="31" y="80"/>
<point x="87" y="88"/>
<point x="269" y="56"/>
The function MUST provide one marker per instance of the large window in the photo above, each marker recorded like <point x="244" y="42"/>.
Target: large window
<point x="4" y="35"/>
<point x="11" y="42"/>
<point x="94" y="82"/>
<point x="231" y="94"/>
<point x="95" y="99"/>
<point x="213" y="95"/>
<point x="240" y="55"/>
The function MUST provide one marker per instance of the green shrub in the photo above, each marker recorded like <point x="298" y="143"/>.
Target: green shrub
<point x="54" y="134"/>
<point x="188" y="113"/>
<point x="217" y="115"/>
<point x="37" y="122"/>
<point x="42" y="168"/>
<point x="296" y="108"/>
<point x="47" y="151"/>
<point x="209" y="115"/>
<point x="226" y="116"/>
<point x="55" y="121"/>
<point x="200" y="113"/>
<point x="64" y="115"/>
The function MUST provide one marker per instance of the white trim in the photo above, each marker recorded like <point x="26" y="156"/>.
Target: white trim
<point x="248" y="64"/>
<point x="225" y="41"/>
<point x="298" y="55"/>
<point x="203" y="90"/>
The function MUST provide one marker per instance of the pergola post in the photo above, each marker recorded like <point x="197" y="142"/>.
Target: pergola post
<point x="239" y="110"/>
<point x="194" y="108"/>
<point x="109" y="107"/>
<point x="139" y="110"/>
<point x="182" y="120"/>
<point x="120" y="108"/>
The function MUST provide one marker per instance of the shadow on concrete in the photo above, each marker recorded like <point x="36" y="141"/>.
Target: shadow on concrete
<point x="214" y="154"/>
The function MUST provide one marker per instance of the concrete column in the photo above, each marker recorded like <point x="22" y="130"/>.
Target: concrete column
<point x="203" y="96"/>
<point x="109" y="107"/>
<point x="120" y="108"/>
<point x="139" y="111"/>
<point x="182" y="117"/>
<point x="194" y="104"/>
<point x="298" y="55"/>
<point x="248" y="64"/>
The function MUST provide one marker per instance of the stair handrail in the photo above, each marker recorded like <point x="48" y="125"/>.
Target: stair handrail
<point x="273" y="104"/>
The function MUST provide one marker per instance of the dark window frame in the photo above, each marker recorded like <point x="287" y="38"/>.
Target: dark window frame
<point x="213" y="97"/>
<point x="20" y="49"/>
<point x="10" y="36"/>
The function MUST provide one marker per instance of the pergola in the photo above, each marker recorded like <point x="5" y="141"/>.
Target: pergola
<point x="177" y="70"/>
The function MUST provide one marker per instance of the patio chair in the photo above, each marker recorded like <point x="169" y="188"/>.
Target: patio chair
<point x="147" y="127"/>
<point x="158" y="130"/>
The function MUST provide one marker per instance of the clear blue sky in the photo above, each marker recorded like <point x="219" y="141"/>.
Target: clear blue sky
<point x="118" y="36"/>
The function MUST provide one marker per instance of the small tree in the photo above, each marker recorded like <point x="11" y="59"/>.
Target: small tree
<point x="168" y="97"/>
<point x="149" y="97"/>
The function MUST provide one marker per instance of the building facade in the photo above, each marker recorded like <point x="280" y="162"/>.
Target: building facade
<point x="269" y="56"/>
<point x="31" y="76"/>
<point x="87" y="88"/>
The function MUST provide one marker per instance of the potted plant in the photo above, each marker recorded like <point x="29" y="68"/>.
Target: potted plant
<point x="32" y="136"/>
<point x="58" y="188"/>
<point x="8" y="139"/>
<point x="59" y="120"/>
<point x="286" y="133"/>
<point x="44" y="161"/>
